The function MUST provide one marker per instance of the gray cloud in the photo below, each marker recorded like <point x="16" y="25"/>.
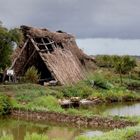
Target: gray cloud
<point x="84" y="18"/>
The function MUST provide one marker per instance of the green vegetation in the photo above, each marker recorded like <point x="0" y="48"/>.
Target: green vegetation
<point x="5" y="105"/>
<point x="7" y="137"/>
<point x="103" y="84"/>
<point x="7" y="40"/>
<point x="117" y="134"/>
<point x="31" y="75"/>
<point x="110" y="61"/>
<point x="45" y="103"/>
<point x="104" y="61"/>
<point x="24" y="92"/>
<point x="28" y="136"/>
<point x="35" y="136"/>
<point x="123" y="65"/>
<point x="120" y="64"/>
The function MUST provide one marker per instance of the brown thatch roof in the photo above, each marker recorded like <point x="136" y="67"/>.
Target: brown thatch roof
<point x="54" y="54"/>
<point x="56" y="36"/>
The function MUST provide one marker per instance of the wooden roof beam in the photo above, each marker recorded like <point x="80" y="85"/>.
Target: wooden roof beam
<point x="14" y="62"/>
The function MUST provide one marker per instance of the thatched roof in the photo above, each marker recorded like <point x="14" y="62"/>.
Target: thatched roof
<point x="55" y="55"/>
<point x="56" y="36"/>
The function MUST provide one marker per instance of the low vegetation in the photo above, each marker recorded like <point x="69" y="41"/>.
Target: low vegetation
<point x="7" y="137"/>
<point x="120" y="64"/>
<point x="33" y="136"/>
<point x="45" y="103"/>
<point x="8" y="38"/>
<point x="116" y="134"/>
<point x="32" y="75"/>
<point x="104" y="84"/>
<point x="5" y="105"/>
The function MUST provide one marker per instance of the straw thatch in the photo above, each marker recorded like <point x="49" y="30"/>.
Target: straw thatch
<point x="54" y="54"/>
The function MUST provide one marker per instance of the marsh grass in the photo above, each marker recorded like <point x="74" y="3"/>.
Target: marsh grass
<point x="48" y="103"/>
<point x="7" y="137"/>
<point x="35" y="136"/>
<point x="116" y="134"/>
<point x="5" y="104"/>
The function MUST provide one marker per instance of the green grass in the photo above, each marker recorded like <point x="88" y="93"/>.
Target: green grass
<point x="35" y="136"/>
<point x="103" y="84"/>
<point x="5" y="105"/>
<point x="39" y="98"/>
<point x="116" y="95"/>
<point x="116" y="134"/>
<point x="46" y="103"/>
<point x="23" y="92"/>
<point x="7" y="137"/>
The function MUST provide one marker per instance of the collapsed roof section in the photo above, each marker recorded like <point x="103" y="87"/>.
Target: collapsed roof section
<point x="54" y="54"/>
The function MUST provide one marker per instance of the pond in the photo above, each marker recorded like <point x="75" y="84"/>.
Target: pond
<point x="119" y="109"/>
<point x="19" y="128"/>
<point x="129" y="109"/>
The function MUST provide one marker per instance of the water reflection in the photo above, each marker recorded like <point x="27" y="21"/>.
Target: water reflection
<point x="120" y="109"/>
<point x="125" y="110"/>
<point x="19" y="129"/>
<point x="92" y="133"/>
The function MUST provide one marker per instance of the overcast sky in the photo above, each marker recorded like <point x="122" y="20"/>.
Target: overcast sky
<point x="88" y="20"/>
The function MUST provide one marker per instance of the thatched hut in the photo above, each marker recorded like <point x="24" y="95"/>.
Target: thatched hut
<point x="54" y="54"/>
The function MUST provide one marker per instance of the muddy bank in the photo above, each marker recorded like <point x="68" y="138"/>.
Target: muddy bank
<point x="136" y="137"/>
<point x="77" y="102"/>
<point x="95" y="121"/>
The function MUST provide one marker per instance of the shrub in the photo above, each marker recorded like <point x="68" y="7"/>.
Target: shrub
<point x="123" y="64"/>
<point x="99" y="81"/>
<point x="104" y="61"/>
<point x="5" y="105"/>
<point x="119" y="63"/>
<point x="32" y="75"/>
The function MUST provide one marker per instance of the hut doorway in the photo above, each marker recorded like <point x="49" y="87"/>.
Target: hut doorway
<point x="33" y="58"/>
<point x="45" y="74"/>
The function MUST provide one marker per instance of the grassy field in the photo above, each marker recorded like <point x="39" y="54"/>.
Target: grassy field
<point x="103" y="84"/>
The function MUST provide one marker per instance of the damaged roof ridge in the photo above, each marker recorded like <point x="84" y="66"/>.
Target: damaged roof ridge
<point x="58" y="36"/>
